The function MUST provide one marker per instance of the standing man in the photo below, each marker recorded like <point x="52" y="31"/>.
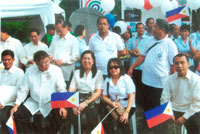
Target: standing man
<point x="32" y="47"/>
<point x="10" y="76"/>
<point x="40" y="81"/>
<point x="176" y="32"/>
<point x="182" y="89"/>
<point x="158" y="63"/>
<point x="64" y="50"/>
<point x="8" y="42"/>
<point x="105" y="45"/>
<point x="136" y="45"/>
<point x="149" y="24"/>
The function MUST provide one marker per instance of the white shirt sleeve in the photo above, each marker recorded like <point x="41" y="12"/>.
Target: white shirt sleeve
<point x="23" y="91"/>
<point x="166" y="94"/>
<point x="195" y="105"/>
<point x="99" y="81"/>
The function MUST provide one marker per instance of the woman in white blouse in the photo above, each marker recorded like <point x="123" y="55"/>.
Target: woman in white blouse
<point x="120" y="86"/>
<point x="88" y="81"/>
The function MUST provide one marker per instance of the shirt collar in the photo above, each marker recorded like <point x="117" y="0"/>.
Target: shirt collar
<point x="188" y="75"/>
<point x="67" y="35"/>
<point x="45" y="72"/>
<point x="11" y="70"/>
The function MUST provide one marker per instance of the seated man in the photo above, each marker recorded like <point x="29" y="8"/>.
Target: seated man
<point x="40" y="80"/>
<point x="183" y="90"/>
<point x="10" y="76"/>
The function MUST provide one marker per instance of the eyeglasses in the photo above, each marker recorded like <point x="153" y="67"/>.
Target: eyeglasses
<point x="115" y="67"/>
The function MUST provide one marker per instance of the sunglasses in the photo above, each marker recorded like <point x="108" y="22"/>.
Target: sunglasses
<point x="115" y="67"/>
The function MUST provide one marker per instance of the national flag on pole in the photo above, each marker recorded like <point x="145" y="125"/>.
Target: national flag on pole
<point x="178" y="13"/>
<point x="11" y="125"/>
<point x="98" y="129"/>
<point x="64" y="99"/>
<point x="159" y="114"/>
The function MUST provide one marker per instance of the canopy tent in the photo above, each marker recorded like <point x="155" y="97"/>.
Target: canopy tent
<point x="18" y="8"/>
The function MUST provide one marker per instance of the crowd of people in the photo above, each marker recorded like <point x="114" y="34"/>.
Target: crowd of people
<point x="149" y="68"/>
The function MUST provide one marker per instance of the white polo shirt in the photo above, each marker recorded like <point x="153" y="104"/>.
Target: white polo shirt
<point x="124" y="87"/>
<point x="156" y="67"/>
<point x="105" y="49"/>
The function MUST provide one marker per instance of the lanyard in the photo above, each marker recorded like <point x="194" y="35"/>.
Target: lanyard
<point x="136" y="43"/>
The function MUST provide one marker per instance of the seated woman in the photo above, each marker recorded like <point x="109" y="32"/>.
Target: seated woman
<point x="120" y="86"/>
<point x="88" y="81"/>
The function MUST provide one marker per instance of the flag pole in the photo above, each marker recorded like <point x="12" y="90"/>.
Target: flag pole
<point x="174" y="128"/>
<point x="107" y="115"/>
<point x="79" y="124"/>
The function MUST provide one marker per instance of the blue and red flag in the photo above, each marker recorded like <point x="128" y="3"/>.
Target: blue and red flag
<point x="159" y="114"/>
<point x="11" y="125"/>
<point x="64" y="99"/>
<point x="178" y="13"/>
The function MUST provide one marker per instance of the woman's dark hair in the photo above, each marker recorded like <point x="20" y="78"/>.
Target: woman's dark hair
<point x="119" y="63"/>
<point x="94" y="68"/>
<point x="185" y="27"/>
<point x="79" y="30"/>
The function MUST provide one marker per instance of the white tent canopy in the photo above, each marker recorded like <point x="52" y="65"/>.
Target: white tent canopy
<point x="18" y="8"/>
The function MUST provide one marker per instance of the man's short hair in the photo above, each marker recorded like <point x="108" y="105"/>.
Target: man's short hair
<point x="62" y="22"/>
<point x="102" y="17"/>
<point x="139" y="23"/>
<point x="148" y="19"/>
<point x="50" y="27"/>
<point x="181" y="55"/>
<point x="34" y="30"/>
<point x="7" y="52"/>
<point x="40" y="55"/>
<point x="4" y="29"/>
<point x="163" y="24"/>
<point x="185" y="27"/>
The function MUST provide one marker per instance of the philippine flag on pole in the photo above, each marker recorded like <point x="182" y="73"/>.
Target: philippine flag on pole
<point x="64" y="99"/>
<point x="159" y="114"/>
<point x="178" y="13"/>
<point x="98" y="129"/>
<point x="11" y="125"/>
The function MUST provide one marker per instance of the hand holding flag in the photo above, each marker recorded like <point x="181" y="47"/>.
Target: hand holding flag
<point x="159" y="114"/>
<point x="11" y="125"/>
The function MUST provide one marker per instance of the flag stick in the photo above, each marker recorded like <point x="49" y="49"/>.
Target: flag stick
<point x="174" y="128"/>
<point x="79" y="124"/>
<point x="107" y="115"/>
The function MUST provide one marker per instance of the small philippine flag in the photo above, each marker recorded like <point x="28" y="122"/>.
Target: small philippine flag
<point x="159" y="114"/>
<point x="11" y="126"/>
<point x="98" y="129"/>
<point x="178" y="13"/>
<point x="64" y="100"/>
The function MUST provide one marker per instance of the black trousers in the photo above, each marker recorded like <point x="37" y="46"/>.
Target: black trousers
<point x="192" y="124"/>
<point x="26" y="123"/>
<point x="137" y="78"/>
<point x="4" y="115"/>
<point x="115" y="127"/>
<point x="151" y="97"/>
